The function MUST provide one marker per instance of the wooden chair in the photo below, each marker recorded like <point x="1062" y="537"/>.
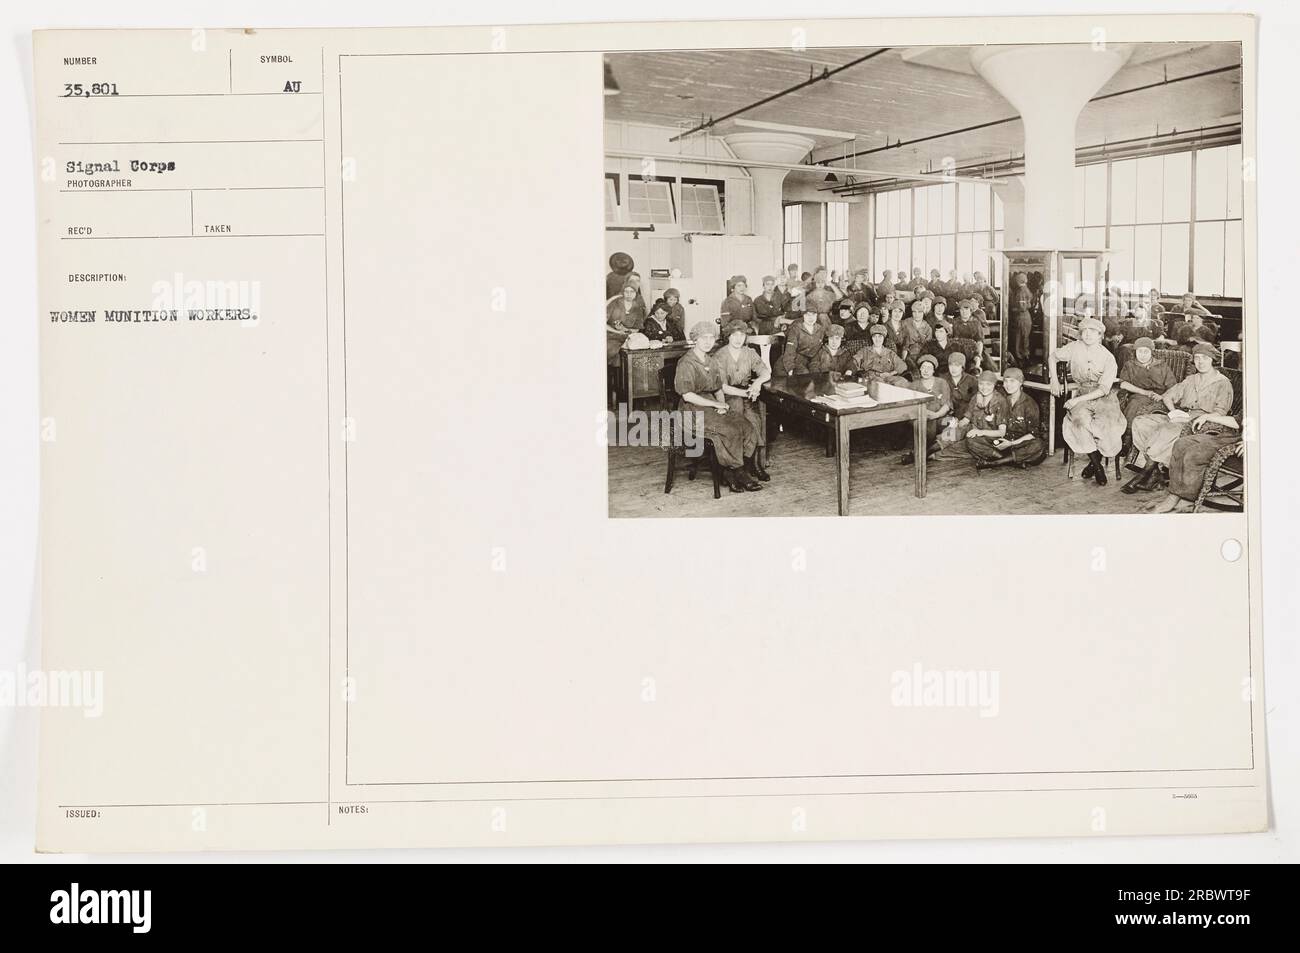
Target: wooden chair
<point x="852" y="347"/>
<point x="676" y="447"/>
<point x="1176" y="358"/>
<point x="1178" y="361"/>
<point x="1230" y="495"/>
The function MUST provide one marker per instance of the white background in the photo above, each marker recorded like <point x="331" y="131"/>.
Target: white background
<point x="19" y="419"/>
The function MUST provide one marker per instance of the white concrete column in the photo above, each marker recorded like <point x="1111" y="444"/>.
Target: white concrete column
<point x="1049" y="86"/>
<point x="1012" y="194"/>
<point x="783" y="147"/>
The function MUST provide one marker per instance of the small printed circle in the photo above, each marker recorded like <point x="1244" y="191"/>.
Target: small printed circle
<point x="1230" y="550"/>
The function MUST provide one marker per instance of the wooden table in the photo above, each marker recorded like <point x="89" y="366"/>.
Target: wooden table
<point x="638" y="371"/>
<point x="793" y="396"/>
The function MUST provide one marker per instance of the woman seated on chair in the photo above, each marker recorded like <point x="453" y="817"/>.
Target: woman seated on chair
<point x="940" y="405"/>
<point x="1140" y="325"/>
<point x="1093" y="425"/>
<point x="803" y="340"/>
<point x="859" y="329"/>
<point x="769" y="307"/>
<point x="743" y="376"/>
<point x="626" y="313"/>
<point x="1155" y="310"/>
<point x="676" y="313"/>
<point x="738" y="305"/>
<point x="914" y="335"/>
<point x="942" y="348"/>
<point x="1189" y="460"/>
<point x="878" y="362"/>
<point x="962" y="387"/>
<point x="700" y="382"/>
<point x="966" y="325"/>
<point x="938" y="316"/>
<point x="659" y="325"/>
<point x="893" y="322"/>
<point x="1144" y="380"/>
<point x="1205" y="392"/>
<point x="833" y="356"/>
<point x="623" y="315"/>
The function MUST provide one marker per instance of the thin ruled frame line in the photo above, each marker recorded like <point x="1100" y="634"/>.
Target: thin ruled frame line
<point x="655" y="797"/>
<point x="329" y="490"/>
<point x="111" y="238"/>
<point x="205" y="188"/>
<point x="186" y="142"/>
<point x="98" y="99"/>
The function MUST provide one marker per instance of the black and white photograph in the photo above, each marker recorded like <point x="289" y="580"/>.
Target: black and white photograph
<point x="995" y="280"/>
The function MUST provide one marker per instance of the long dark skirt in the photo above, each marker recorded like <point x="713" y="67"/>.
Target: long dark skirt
<point x="734" y="436"/>
<point x="1191" y="457"/>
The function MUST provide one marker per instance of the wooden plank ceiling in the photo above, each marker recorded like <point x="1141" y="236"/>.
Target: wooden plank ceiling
<point x="898" y="96"/>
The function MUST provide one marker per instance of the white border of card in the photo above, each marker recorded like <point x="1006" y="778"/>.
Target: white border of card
<point x="346" y="569"/>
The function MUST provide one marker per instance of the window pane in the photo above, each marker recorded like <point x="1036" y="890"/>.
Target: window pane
<point x="1123" y="192"/>
<point x="837" y="219"/>
<point x="947" y="254"/>
<point x="1208" y="279"/>
<point x="922" y="199"/>
<point x="1080" y="193"/>
<point x="918" y="255"/>
<point x="997" y="213"/>
<point x="1232" y="257"/>
<point x="980" y="221"/>
<point x="904" y="211"/>
<point x="933" y="253"/>
<point x="1178" y="188"/>
<point x="879" y="255"/>
<point x="1146" y="256"/>
<point x="611" y="203"/>
<point x="966" y="206"/>
<point x="1173" y="258"/>
<point x="934" y="210"/>
<point x="1121" y="257"/>
<point x="1094" y="212"/>
<point x="949" y="193"/>
<point x="1072" y="277"/>
<point x="701" y="209"/>
<point x="793" y="224"/>
<point x="1211" y="189"/>
<point x="1150" y="188"/>
<point x="980" y="253"/>
<point x="1234" y="196"/>
<point x="881" y="200"/>
<point x="964" y="254"/>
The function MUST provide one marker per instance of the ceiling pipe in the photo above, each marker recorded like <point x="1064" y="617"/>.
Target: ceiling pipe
<point x="1009" y="119"/>
<point x="789" y="167"/>
<point x="1223" y="134"/>
<point x="825" y="75"/>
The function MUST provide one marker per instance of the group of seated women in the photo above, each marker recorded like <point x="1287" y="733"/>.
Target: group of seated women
<point x="1157" y="411"/>
<point x="1176" y="425"/>
<point x="924" y="345"/>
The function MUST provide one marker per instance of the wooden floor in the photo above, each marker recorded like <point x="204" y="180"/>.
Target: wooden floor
<point x="803" y="484"/>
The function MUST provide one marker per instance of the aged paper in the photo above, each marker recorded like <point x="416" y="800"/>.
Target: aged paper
<point x="327" y="504"/>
